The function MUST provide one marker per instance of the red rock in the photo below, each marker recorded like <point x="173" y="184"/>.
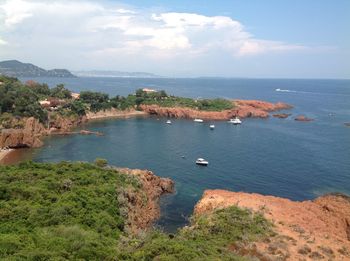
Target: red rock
<point x="242" y="109"/>
<point x="323" y="222"/>
<point x="281" y="115"/>
<point x="302" y="118"/>
<point x="28" y="136"/>
<point x="141" y="213"/>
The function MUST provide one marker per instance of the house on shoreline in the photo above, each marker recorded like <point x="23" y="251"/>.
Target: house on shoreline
<point x="147" y="90"/>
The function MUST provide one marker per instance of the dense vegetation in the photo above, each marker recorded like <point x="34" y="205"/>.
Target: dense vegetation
<point x="162" y="99"/>
<point x="207" y="238"/>
<point x="22" y="99"/>
<point x="70" y="211"/>
<point x="65" y="211"/>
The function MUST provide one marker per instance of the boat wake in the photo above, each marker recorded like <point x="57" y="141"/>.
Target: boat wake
<point x="318" y="93"/>
<point x="281" y="90"/>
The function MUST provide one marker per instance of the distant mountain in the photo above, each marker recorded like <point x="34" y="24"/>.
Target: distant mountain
<point x="16" y="68"/>
<point x="96" y="73"/>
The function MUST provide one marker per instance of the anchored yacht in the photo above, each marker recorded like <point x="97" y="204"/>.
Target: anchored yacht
<point x="235" y="121"/>
<point x="202" y="162"/>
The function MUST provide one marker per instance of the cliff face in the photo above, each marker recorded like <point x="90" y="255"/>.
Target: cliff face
<point x="142" y="213"/>
<point x="65" y="124"/>
<point x="242" y="109"/>
<point x="31" y="130"/>
<point x="308" y="230"/>
<point x="28" y="136"/>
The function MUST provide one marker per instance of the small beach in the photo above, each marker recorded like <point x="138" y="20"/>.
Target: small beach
<point x="113" y="113"/>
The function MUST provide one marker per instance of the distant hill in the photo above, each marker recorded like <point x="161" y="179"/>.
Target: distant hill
<point x="16" y="68"/>
<point x="96" y="73"/>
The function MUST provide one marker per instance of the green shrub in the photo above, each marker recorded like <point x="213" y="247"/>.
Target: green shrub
<point x="207" y="238"/>
<point x="63" y="211"/>
<point x="101" y="162"/>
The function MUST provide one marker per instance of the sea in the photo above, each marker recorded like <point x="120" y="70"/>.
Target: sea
<point x="280" y="157"/>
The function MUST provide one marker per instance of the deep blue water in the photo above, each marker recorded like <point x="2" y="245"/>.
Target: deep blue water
<point x="280" y="157"/>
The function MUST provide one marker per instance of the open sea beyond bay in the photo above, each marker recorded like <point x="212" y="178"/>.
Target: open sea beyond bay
<point x="281" y="157"/>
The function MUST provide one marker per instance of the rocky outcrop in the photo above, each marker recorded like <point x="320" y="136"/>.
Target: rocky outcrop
<point x="28" y="131"/>
<point x="307" y="230"/>
<point x="64" y="124"/>
<point x="258" y="109"/>
<point x="142" y="212"/>
<point x="302" y="118"/>
<point x="87" y="132"/>
<point x="242" y="109"/>
<point x="281" y="115"/>
<point x="28" y="136"/>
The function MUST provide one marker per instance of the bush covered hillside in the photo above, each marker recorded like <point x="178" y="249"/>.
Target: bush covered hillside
<point x="162" y="99"/>
<point x="67" y="211"/>
<point x="209" y="237"/>
<point x="18" y="99"/>
<point x="78" y="211"/>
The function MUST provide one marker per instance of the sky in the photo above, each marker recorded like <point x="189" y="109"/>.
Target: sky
<point x="222" y="38"/>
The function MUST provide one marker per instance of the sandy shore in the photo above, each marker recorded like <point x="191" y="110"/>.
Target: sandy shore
<point x="113" y="114"/>
<point x="4" y="153"/>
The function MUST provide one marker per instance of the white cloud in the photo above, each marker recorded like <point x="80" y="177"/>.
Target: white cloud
<point x="105" y="30"/>
<point x="125" y="11"/>
<point x="2" y="42"/>
<point x="15" y="12"/>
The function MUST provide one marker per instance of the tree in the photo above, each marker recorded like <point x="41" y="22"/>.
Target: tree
<point x="77" y="107"/>
<point x="40" y="89"/>
<point x="101" y="162"/>
<point x="97" y="100"/>
<point x="26" y="104"/>
<point x="61" y="92"/>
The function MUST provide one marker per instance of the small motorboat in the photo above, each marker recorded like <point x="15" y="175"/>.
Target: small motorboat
<point x="212" y="126"/>
<point x="202" y="162"/>
<point x="168" y="122"/>
<point x="235" y="121"/>
<point x="198" y="120"/>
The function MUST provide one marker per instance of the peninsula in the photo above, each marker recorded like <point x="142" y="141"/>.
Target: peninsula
<point x="16" y="68"/>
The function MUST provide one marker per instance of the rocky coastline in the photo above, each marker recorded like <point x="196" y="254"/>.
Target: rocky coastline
<point x="307" y="230"/>
<point x="142" y="213"/>
<point x="28" y="132"/>
<point x="31" y="131"/>
<point x="241" y="109"/>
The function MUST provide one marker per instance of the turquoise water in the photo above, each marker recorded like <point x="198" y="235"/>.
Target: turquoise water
<point x="280" y="157"/>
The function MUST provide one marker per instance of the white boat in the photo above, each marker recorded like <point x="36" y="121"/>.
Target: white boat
<point x="235" y="121"/>
<point x="198" y="120"/>
<point x="168" y="122"/>
<point x="212" y="126"/>
<point x="202" y="162"/>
